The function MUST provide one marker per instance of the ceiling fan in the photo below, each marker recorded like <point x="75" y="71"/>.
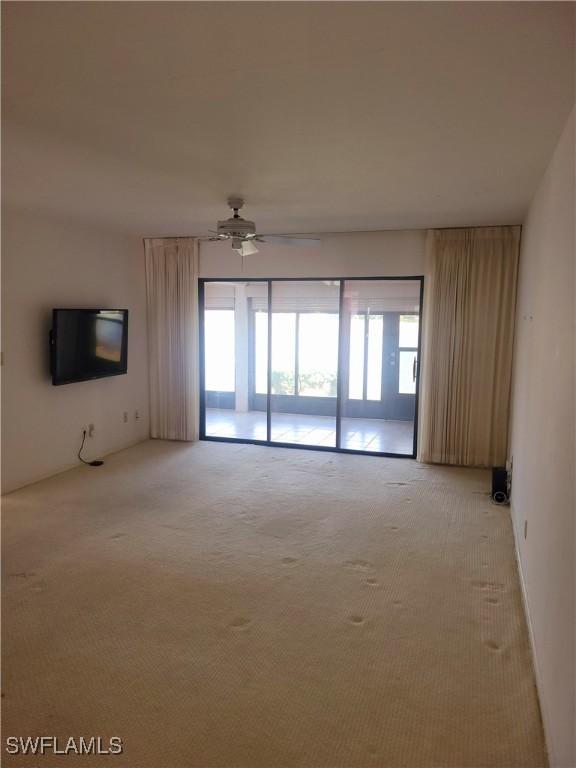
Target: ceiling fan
<point x="243" y="233"/>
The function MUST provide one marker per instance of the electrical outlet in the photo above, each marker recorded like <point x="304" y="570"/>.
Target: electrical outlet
<point x="525" y="528"/>
<point x="125" y="417"/>
<point x="136" y="415"/>
<point x="91" y="429"/>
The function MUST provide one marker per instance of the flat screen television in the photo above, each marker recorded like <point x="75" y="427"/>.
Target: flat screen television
<point x="88" y="344"/>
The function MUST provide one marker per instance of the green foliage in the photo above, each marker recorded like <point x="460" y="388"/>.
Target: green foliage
<point x="282" y="383"/>
<point x="318" y="381"/>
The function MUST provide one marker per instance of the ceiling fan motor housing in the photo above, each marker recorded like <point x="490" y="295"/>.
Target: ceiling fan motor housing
<point x="236" y="227"/>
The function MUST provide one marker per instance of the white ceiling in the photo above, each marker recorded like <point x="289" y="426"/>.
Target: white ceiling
<point x="325" y="116"/>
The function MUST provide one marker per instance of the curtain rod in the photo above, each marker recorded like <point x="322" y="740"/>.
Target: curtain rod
<point x="350" y="232"/>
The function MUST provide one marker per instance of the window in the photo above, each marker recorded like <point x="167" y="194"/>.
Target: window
<point x="307" y="367"/>
<point x="408" y="354"/>
<point x="374" y="363"/>
<point x="261" y="352"/>
<point x="283" y="353"/>
<point x="356" y="367"/>
<point x="365" y="368"/>
<point x="220" y="358"/>
<point x="317" y="354"/>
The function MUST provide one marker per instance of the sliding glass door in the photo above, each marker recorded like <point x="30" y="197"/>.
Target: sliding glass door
<point x="380" y="329"/>
<point x="231" y="309"/>
<point x="329" y="364"/>
<point x="304" y="355"/>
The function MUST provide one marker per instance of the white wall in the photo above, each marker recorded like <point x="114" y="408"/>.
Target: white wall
<point x="49" y="263"/>
<point x="542" y="442"/>
<point x="351" y="254"/>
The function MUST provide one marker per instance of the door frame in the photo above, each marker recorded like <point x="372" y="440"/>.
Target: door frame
<point x="340" y="371"/>
<point x="391" y="398"/>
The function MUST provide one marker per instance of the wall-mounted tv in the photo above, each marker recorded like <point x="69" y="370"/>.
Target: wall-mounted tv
<point x="88" y="344"/>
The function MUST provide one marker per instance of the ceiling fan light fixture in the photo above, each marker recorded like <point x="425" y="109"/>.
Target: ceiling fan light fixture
<point x="248" y="248"/>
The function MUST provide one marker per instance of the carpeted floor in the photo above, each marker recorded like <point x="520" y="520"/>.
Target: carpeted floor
<point x="234" y="606"/>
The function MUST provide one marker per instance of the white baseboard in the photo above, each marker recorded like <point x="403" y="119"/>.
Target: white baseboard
<point x="535" y="664"/>
<point x="71" y="465"/>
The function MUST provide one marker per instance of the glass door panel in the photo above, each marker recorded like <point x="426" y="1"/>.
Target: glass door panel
<point x="380" y="320"/>
<point x="236" y="359"/>
<point x="408" y="353"/>
<point x="305" y="333"/>
<point x="408" y="331"/>
<point x="407" y="372"/>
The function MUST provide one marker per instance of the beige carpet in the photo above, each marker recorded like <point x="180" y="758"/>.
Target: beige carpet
<point x="232" y="606"/>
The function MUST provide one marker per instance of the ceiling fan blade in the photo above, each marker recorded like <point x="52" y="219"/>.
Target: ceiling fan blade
<point x="309" y="242"/>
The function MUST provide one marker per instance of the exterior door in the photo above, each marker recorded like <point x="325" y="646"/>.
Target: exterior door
<point x="381" y="357"/>
<point x="400" y="366"/>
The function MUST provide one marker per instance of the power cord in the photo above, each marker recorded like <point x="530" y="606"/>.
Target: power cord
<point x="96" y="462"/>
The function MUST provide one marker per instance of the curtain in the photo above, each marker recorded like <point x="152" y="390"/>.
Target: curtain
<point x="467" y="357"/>
<point x="172" y="298"/>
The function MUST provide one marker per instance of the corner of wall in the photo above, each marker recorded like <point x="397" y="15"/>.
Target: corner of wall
<point x="542" y="445"/>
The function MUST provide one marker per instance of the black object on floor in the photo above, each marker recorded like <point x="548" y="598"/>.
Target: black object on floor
<point x="499" y="493"/>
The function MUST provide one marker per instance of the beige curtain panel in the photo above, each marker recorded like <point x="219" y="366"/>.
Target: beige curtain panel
<point x="467" y="362"/>
<point x="172" y="297"/>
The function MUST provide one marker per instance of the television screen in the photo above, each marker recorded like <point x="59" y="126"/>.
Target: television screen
<point x="88" y="344"/>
